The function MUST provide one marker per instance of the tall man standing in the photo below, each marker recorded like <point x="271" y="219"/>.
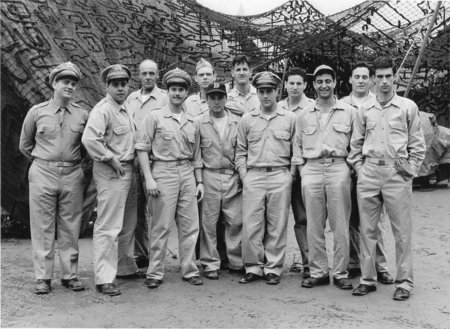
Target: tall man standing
<point x="171" y="138"/>
<point x="297" y="101"/>
<point x="360" y="81"/>
<point x="109" y="139"/>
<point x="139" y="103"/>
<point x="197" y="104"/>
<point x="218" y="133"/>
<point x="323" y="133"/>
<point x="263" y="159"/>
<point x="387" y="149"/>
<point x="51" y="138"/>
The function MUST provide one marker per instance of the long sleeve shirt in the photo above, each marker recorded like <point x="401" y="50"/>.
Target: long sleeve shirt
<point x="239" y="103"/>
<point x="314" y="139"/>
<point x="52" y="133"/>
<point x="264" y="142"/>
<point x="218" y="152"/>
<point x="389" y="132"/>
<point x="109" y="132"/>
<point x="165" y="139"/>
<point x="138" y="108"/>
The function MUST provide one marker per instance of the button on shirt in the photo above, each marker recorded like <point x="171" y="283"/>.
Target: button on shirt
<point x="138" y="108"/>
<point x="239" y="103"/>
<point x="218" y="152"/>
<point x="109" y="132"/>
<point x="195" y="106"/>
<point x="389" y="132"/>
<point x="167" y="139"/>
<point x="315" y="139"/>
<point x="264" y="142"/>
<point x="52" y="133"/>
<point x="305" y="102"/>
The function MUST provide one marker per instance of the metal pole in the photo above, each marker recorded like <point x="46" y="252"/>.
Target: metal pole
<point x="422" y="48"/>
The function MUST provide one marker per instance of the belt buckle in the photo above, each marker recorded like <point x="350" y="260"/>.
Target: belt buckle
<point x="329" y="160"/>
<point x="381" y="162"/>
<point x="269" y="169"/>
<point x="179" y="162"/>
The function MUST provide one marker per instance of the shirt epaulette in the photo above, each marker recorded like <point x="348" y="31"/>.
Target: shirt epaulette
<point x="35" y="107"/>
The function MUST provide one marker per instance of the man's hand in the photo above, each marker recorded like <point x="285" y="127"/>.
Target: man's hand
<point x="152" y="187"/>
<point x="200" y="192"/>
<point x="117" y="166"/>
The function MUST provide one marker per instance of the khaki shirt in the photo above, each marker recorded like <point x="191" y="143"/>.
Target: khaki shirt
<point x="53" y="134"/>
<point x="264" y="143"/>
<point x="350" y="100"/>
<point x="195" y="106"/>
<point x="389" y="132"/>
<point x="139" y="109"/>
<point x="109" y="132"/>
<point x="216" y="152"/>
<point x="305" y="102"/>
<point x="239" y="104"/>
<point x="166" y="139"/>
<point x="315" y="140"/>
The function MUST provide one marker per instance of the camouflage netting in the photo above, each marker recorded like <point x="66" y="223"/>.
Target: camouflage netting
<point x="39" y="34"/>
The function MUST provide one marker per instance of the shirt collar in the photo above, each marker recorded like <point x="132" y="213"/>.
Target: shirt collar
<point x="56" y="108"/>
<point x="116" y="106"/>
<point x="279" y="111"/>
<point x="339" y="105"/>
<point x="235" y="92"/>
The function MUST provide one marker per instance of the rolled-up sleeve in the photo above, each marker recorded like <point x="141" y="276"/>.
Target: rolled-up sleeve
<point x="146" y="133"/>
<point x="242" y="147"/>
<point x="94" y="137"/>
<point x="355" y="158"/>
<point x="27" y="135"/>
<point x="416" y="141"/>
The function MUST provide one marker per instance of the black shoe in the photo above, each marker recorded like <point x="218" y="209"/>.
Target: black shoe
<point x="142" y="262"/>
<point x="354" y="273"/>
<point x="194" y="280"/>
<point x="313" y="282"/>
<point x="363" y="289"/>
<point x="306" y="272"/>
<point x="401" y="294"/>
<point x="224" y="265"/>
<point x="109" y="289"/>
<point x="42" y="287"/>
<point x="211" y="275"/>
<point x="272" y="279"/>
<point x="250" y="277"/>
<point x="240" y="271"/>
<point x="136" y="275"/>
<point x="344" y="284"/>
<point x="73" y="284"/>
<point x="152" y="283"/>
<point x="385" y="278"/>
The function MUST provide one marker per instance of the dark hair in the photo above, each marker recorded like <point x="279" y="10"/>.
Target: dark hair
<point x="296" y="71"/>
<point x="384" y="63"/>
<point x="361" y="64"/>
<point x="240" y="59"/>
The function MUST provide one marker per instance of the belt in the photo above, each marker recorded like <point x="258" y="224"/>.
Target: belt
<point x="58" y="163"/>
<point x="176" y="162"/>
<point x="126" y="162"/>
<point x="222" y="170"/>
<point x="268" y="169"/>
<point x="326" y="160"/>
<point x="380" y="161"/>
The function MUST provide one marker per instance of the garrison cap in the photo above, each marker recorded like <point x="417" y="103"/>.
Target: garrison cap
<point x="324" y="69"/>
<point x="216" y="88"/>
<point x="115" y="72"/>
<point x="67" y="69"/>
<point x="177" y="77"/>
<point x="266" y="79"/>
<point x="203" y="63"/>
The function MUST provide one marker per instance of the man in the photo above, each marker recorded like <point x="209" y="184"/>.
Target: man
<point x="360" y="81"/>
<point x="174" y="181"/>
<point x="109" y="139"/>
<point x="297" y="101"/>
<point x="387" y="149"/>
<point x="242" y="98"/>
<point x="196" y="104"/>
<point x="51" y="139"/>
<point x="323" y="133"/>
<point x="263" y="159"/>
<point x="218" y="133"/>
<point x="139" y="103"/>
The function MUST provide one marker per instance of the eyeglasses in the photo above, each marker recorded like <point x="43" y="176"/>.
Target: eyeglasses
<point x="116" y="84"/>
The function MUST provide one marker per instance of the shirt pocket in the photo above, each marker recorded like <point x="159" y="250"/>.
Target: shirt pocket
<point x="282" y="142"/>
<point x="164" y="141"/>
<point x="398" y="134"/>
<point x="76" y="131"/>
<point x="309" y="137"/>
<point x="370" y="131"/>
<point x="206" y="149"/>
<point x="46" y="131"/>
<point x="341" y="136"/>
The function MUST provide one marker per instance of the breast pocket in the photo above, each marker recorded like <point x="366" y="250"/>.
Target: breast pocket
<point x="370" y="131"/>
<point x="309" y="137"/>
<point x="398" y="134"/>
<point x="163" y="141"/>
<point x="341" y="136"/>
<point x="46" y="131"/>
<point x="282" y="142"/>
<point x="76" y="132"/>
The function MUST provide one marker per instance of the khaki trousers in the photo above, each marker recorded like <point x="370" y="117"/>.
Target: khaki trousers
<point x="56" y="198"/>
<point x="326" y="194"/>
<point x="223" y="194"/>
<point x="265" y="209"/>
<point x="176" y="200"/>
<point x="113" y="239"/>
<point x="378" y="185"/>
<point x="299" y="211"/>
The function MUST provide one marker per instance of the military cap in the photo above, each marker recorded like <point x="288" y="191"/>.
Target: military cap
<point x="203" y="63"/>
<point x="266" y="79"/>
<point x="115" y="72"/>
<point x="177" y="77"/>
<point x="67" y="69"/>
<point x="216" y="88"/>
<point x="324" y="69"/>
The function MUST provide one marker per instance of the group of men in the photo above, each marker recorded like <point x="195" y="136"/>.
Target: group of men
<point x="236" y="157"/>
